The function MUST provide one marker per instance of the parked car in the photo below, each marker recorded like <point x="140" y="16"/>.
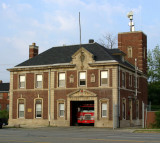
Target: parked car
<point x="1" y="123"/>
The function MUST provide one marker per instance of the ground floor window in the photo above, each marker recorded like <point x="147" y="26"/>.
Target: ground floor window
<point x="104" y="109"/>
<point x="137" y="109"/>
<point x="61" y="109"/>
<point x="123" y="108"/>
<point x="20" y="108"/>
<point x="38" y="111"/>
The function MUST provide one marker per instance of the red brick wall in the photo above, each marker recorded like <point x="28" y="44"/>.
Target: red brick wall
<point x="29" y="97"/>
<point x="89" y="73"/>
<point x="110" y="77"/>
<point x="74" y="84"/>
<point x="29" y="81"/>
<point x="15" y="81"/>
<point x="4" y="101"/>
<point x="150" y="118"/>
<point x="45" y="80"/>
<point x="55" y="80"/>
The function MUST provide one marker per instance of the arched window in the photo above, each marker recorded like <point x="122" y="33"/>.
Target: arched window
<point x="129" y="52"/>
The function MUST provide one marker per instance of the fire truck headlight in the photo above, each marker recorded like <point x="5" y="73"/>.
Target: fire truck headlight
<point x="81" y="118"/>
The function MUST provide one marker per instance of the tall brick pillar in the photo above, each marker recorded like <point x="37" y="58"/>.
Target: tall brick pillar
<point x="33" y="50"/>
<point x="134" y="45"/>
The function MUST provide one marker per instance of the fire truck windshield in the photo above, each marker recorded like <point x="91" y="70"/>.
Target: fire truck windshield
<point x="87" y="109"/>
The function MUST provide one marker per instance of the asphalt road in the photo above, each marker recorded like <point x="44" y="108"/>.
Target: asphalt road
<point x="75" y="135"/>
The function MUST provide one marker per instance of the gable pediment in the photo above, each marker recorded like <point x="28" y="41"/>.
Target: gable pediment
<point x="81" y="58"/>
<point x="82" y="93"/>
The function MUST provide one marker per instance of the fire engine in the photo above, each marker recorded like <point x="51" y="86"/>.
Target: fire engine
<point x="85" y="114"/>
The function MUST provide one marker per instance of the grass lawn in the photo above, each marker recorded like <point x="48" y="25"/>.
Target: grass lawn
<point x="147" y="131"/>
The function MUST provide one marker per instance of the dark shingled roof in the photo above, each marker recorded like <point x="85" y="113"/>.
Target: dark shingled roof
<point x="63" y="54"/>
<point x="4" y="87"/>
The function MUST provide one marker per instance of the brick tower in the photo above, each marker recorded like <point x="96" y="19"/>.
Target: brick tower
<point x="134" y="45"/>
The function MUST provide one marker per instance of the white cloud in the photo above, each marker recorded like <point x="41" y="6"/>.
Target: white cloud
<point x="4" y="6"/>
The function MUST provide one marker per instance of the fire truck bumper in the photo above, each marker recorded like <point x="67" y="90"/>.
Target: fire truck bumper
<point x="85" y="121"/>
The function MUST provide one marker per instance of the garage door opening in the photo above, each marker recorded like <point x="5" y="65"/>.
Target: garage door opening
<point x="82" y="113"/>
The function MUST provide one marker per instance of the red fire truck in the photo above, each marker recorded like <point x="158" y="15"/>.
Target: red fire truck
<point x="85" y="114"/>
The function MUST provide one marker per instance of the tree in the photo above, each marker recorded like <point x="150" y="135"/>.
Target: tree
<point x="154" y="65"/>
<point x="109" y="41"/>
<point x="154" y="77"/>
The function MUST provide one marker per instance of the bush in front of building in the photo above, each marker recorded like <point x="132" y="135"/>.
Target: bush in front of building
<point x="4" y="115"/>
<point x="157" y="120"/>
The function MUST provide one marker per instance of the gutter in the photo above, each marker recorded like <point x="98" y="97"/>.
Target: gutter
<point x="119" y="95"/>
<point x="49" y="105"/>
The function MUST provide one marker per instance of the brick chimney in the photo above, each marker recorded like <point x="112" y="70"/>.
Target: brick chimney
<point x="33" y="50"/>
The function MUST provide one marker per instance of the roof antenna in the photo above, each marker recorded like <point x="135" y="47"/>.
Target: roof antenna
<point x="131" y="24"/>
<point x="80" y="28"/>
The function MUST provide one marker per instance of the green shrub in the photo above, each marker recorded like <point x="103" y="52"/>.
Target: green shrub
<point x="4" y="115"/>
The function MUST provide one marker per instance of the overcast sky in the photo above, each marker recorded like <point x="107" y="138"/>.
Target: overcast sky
<point x="51" y="23"/>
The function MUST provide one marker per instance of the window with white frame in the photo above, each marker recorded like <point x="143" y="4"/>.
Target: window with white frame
<point x="104" y="109"/>
<point x="123" y="79"/>
<point x="82" y="78"/>
<point x="38" y="81"/>
<point x="22" y="80"/>
<point x="124" y="109"/>
<point x="38" y="108"/>
<point x="61" y="82"/>
<point x="61" y="109"/>
<point x="20" y="108"/>
<point x="104" y="77"/>
<point x="1" y="95"/>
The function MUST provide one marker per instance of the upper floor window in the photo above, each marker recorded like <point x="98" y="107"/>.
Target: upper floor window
<point x="38" y="106"/>
<point x="130" y="80"/>
<point x="129" y="52"/>
<point x="123" y="79"/>
<point x="1" y="95"/>
<point x="61" y="78"/>
<point x="104" y="77"/>
<point x="22" y="80"/>
<point x="38" y="81"/>
<point x="82" y="78"/>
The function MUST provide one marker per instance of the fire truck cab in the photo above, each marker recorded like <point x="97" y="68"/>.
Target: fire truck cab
<point x="85" y="114"/>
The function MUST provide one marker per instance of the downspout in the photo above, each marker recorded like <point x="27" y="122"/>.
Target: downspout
<point x="119" y="95"/>
<point x="49" y="113"/>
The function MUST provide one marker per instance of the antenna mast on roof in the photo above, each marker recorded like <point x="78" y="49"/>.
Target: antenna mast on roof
<point x="80" y="28"/>
<point x="131" y="24"/>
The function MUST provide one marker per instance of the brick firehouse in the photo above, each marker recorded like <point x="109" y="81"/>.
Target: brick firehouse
<point x="81" y="84"/>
